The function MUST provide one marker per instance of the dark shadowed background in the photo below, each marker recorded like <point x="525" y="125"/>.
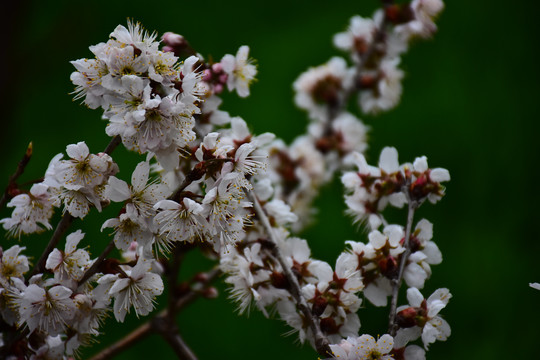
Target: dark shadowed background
<point x="469" y="104"/>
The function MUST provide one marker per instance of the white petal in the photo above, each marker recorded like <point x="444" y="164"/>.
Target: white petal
<point x="414" y="297"/>
<point x="439" y="175"/>
<point x="388" y="161"/>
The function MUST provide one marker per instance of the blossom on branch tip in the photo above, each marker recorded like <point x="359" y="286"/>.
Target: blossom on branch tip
<point x="138" y="290"/>
<point x="240" y="70"/>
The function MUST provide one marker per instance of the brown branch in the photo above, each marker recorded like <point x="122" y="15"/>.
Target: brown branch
<point x="169" y="331"/>
<point x="126" y="342"/>
<point x="396" y="283"/>
<point x="13" y="178"/>
<point x="97" y="263"/>
<point x="321" y="342"/>
<point x="113" y="144"/>
<point x="62" y="226"/>
<point x="146" y="329"/>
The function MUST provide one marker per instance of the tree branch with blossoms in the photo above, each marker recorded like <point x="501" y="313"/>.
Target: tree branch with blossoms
<point x="207" y="182"/>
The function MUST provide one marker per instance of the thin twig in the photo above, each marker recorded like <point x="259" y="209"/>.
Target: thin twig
<point x="174" y="268"/>
<point x="13" y="178"/>
<point x="113" y="144"/>
<point x="396" y="283"/>
<point x="146" y="329"/>
<point x="126" y="342"/>
<point x="321" y="342"/>
<point x="168" y="331"/>
<point x="95" y="266"/>
<point x="62" y="226"/>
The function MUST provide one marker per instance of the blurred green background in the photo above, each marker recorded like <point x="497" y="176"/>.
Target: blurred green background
<point x="469" y="104"/>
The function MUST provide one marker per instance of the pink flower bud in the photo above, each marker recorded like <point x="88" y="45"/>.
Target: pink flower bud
<point x="218" y="88"/>
<point x="223" y="78"/>
<point x="168" y="49"/>
<point x="207" y="75"/>
<point x="210" y="293"/>
<point x="172" y="39"/>
<point x="217" y="68"/>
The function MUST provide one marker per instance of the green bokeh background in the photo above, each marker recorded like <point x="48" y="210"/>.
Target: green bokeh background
<point x="469" y="104"/>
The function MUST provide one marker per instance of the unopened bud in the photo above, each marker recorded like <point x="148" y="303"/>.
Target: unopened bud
<point x="172" y="39"/>
<point x="29" y="150"/>
<point x="223" y="78"/>
<point x="406" y="318"/>
<point x="319" y="305"/>
<point x="218" y="88"/>
<point x="217" y="67"/>
<point x="201" y="277"/>
<point x="210" y="293"/>
<point x="389" y="267"/>
<point x="207" y="75"/>
<point x="329" y="326"/>
<point x="182" y="288"/>
<point x="279" y="280"/>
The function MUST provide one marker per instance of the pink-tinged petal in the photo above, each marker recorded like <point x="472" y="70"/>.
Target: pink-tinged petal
<point x="388" y="161"/>
<point x="79" y="151"/>
<point x="414" y="297"/>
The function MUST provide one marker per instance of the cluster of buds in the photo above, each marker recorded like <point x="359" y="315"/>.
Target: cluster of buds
<point x="257" y="276"/>
<point x="373" y="188"/>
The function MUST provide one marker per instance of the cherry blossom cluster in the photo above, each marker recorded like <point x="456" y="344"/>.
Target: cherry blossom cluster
<point x="206" y="181"/>
<point x="189" y="188"/>
<point x="373" y="188"/>
<point x="371" y="76"/>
